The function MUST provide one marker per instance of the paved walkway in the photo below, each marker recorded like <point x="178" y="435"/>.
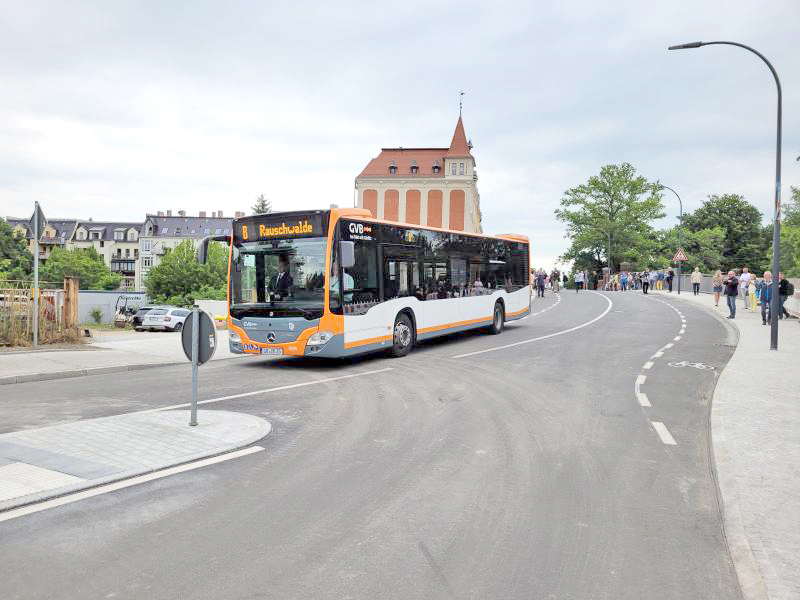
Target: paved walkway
<point x="756" y="434"/>
<point x="39" y="464"/>
<point x="146" y="350"/>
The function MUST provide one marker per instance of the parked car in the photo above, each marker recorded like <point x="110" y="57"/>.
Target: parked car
<point x="165" y="318"/>
<point x="139" y="316"/>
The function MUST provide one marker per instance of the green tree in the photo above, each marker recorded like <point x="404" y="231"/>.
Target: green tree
<point x="703" y="248"/>
<point x="179" y="279"/>
<point x="262" y="205"/>
<point x="791" y="209"/>
<point x="85" y="264"/>
<point x="615" y="204"/>
<point x="745" y="239"/>
<point x="16" y="262"/>
<point x="790" y="250"/>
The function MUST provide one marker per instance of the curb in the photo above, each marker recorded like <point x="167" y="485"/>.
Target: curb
<point x="69" y="373"/>
<point x="265" y="428"/>
<point x="751" y="584"/>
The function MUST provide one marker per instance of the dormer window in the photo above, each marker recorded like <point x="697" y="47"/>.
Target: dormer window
<point x="414" y="167"/>
<point x="392" y="168"/>
<point x="436" y="168"/>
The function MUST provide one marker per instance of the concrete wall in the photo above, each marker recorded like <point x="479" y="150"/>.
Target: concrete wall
<point x="88" y="300"/>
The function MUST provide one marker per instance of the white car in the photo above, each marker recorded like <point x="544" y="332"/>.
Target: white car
<point x="165" y="319"/>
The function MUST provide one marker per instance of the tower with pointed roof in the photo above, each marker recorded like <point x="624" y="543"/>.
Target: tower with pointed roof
<point x="434" y="187"/>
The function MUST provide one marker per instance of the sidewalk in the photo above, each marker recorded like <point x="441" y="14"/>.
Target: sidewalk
<point x="147" y="350"/>
<point x="41" y="464"/>
<point x="756" y="438"/>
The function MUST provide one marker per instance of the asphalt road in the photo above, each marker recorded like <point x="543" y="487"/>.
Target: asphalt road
<point x="527" y="471"/>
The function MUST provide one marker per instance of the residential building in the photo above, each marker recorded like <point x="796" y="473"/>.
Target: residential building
<point x="54" y="232"/>
<point x="117" y="243"/>
<point x="162" y="232"/>
<point x="436" y="187"/>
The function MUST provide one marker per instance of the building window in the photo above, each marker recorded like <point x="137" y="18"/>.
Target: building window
<point x="393" y="168"/>
<point x="127" y="252"/>
<point x="436" y="168"/>
<point x="102" y="244"/>
<point x="119" y="235"/>
<point x="94" y="235"/>
<point x="414" y="168"/>
<point x="177" y="231"/>
<point x="131" y="236"/>
<point x="81" y="235"/>
<point x="165" y="231"/>
<point x="452" y="168"/>
<point x="460" y="168"/>
<point x="146" y="246"/>
<point x="146" y="262"/>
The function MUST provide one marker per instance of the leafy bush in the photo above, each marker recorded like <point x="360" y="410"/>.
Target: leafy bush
<point x="97" y="315"/>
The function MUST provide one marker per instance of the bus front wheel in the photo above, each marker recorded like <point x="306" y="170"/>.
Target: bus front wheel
<point x="498" y="319"/>
<point x="403" y="335"/>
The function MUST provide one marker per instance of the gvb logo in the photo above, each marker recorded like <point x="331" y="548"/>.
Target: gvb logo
<point x="360" y="229"/>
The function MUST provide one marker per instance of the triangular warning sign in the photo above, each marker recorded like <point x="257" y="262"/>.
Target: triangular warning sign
<point x="679" y="255"/>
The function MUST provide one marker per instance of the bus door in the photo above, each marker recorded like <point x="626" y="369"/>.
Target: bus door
<point x="401" y="272"/>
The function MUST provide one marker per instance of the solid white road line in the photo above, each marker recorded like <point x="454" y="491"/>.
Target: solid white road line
<point x="268" y="390"/>
<point x="544" y="337"/>
<point x="112" y="487"/>
<point x="663" y="433"/>
<point x="648" y="364"/>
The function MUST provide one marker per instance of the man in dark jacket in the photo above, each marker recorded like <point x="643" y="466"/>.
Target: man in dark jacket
<point x="785" y="289"/>
<point x="765" y="293"/>
<point x="731" y="284"/>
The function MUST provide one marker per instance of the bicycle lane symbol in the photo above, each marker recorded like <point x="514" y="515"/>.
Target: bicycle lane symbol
<point x="693" y="365"/>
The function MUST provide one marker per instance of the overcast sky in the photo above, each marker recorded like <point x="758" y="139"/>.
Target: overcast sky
<point x="115" y="110"/>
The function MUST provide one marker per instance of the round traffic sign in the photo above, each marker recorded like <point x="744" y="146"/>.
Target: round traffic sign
<point x="207" y="338"/>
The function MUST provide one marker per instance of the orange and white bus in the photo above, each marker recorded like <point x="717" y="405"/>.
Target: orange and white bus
<point x="338" y="282"/>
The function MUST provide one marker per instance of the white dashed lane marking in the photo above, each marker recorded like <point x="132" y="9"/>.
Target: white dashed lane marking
<point x="648" y="364"/>
<point x="663" y="433"/>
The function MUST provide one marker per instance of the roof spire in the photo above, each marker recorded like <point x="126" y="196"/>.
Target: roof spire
<point x="459" y="147"/>
<point x="461" y="95"/>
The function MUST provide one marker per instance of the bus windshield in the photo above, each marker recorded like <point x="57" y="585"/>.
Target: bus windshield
<point x="279" y="278"/>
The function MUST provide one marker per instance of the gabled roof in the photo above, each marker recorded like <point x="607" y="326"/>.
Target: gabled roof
<point x="424" y="158"/>
<point x="459" y="147"/>
<point x="189" y="227"/>
<point x="64" y="229"/>
<point x="107" y="228"/>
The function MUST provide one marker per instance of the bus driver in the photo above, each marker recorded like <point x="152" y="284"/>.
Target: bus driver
<point x="281" y="283"/>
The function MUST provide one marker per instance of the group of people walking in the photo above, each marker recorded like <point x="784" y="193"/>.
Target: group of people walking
<point x="754" y="291"/>
<point x="541" y="280"/>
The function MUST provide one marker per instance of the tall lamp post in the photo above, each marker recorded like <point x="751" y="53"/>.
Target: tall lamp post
<point x="680" y="226"/>
<point x="776" y="229"/>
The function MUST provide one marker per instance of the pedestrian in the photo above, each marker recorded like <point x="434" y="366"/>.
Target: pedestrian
<point x="670" y="275"/>
<point x="751" y="293"/>
<point x="785" y="289"/>
<point x="540" y="280"/>
<point x="578" y="281"/>
<point x="731" y="284"/>
<point x="744" y="284"/>
<point x="765" y="292"/>
<point x="623" y="280"/>
<point x="645" y="277"/>
<point x="660" y="279"/>
<point x="565" y="280"/>
<point x="716" y="283"/>
<point x="697" y="279"/>
<point x="555" y="278"/>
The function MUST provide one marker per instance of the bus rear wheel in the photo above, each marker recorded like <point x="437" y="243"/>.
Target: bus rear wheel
<point x="402" y="336"/>
<point x="498" y="319"/>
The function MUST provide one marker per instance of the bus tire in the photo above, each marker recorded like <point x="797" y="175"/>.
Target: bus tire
<point x="402" y="336"/>
<point x="498" y="319"/>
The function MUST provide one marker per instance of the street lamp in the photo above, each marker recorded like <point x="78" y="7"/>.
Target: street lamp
<point x="680" y="226"/>
<point x="776" y="229"/>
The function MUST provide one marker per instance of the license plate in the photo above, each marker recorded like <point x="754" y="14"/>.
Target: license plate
<point x="272" y="351"/>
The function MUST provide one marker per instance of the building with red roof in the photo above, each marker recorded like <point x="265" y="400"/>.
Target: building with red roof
<point x="435" y="187"/>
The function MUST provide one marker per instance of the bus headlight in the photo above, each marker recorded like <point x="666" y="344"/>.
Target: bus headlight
<point x="234" y="338"/>
<point x="320" y="338"/>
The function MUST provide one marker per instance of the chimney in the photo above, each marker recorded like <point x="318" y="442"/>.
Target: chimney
<point x="214" y="215"/>
<point x="169" y="213"/>
<point x="219" y="214"/>
<point x="239" y="214"/>
<point x="181" y="213"/>
<point x="161" y="213"/>
<point x="202" y="214"/>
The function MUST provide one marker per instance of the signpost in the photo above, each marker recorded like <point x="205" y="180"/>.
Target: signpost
<point x="38" y="219"/>
<point x="199" y="339"/>
<point x="680" y="256"/>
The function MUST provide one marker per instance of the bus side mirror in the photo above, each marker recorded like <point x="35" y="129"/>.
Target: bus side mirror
<point x="202" y="247"/>
<point x="347" y="254"/>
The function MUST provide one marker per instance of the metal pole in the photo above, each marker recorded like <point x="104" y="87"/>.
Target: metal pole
<point x="195" y="353"/>
<point x="36" y="275"/>
<point x="680" y="226"/>
<point x="776" y="230"/>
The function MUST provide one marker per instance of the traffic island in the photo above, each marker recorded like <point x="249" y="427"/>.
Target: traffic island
<point x="49" y="462"/>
